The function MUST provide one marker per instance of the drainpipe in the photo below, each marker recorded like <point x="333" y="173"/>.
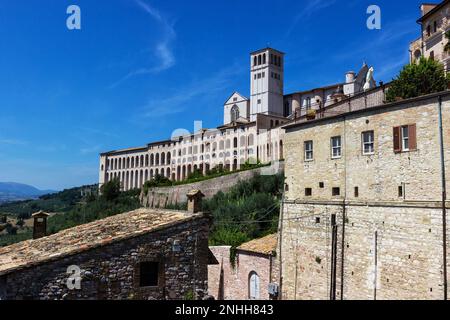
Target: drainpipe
<point x="444" y="196"/>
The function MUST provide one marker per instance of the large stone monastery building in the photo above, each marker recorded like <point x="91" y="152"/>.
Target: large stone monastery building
<point x="251" y="131"/>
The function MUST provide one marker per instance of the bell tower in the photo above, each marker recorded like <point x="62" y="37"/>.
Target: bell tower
<point x="266" y="82"/>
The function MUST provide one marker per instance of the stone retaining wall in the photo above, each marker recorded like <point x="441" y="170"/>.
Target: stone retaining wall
<point x="163" y="196"/>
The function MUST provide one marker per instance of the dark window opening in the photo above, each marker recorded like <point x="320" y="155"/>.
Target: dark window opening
<point x="321" y="185"/>
<point x="356" y="192"/>
<point x="336" y="191"/>
<point x="400" y="191"/>
<point x="308" y="192"/>
<point x="148" y="274"/>
<point x="317" y="219"/>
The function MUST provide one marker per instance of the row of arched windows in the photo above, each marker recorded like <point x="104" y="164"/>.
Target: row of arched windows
<point x="134" y="179"/>
<point x="139" y="161"/>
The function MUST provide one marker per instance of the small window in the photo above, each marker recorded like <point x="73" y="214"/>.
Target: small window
<point x="405" y="138"/>
<point x="308" y="192"/>
<point x="309" y="150"/>
<point x="317" y="219"/>
<point x="356" y="192"/>
<point x="435" y="26"/>
<point x="336" y="191"/>
<point x="400" y="191"/>
<point x="308" y="103"/>
<point x="259" y="101"/>
<point x="148" y="274"/>
<point x="336" y="147"/>
<point x="429" y="30"/>
<point x="321" y="185"/>
<point x="432" y="55"/>
<point x="368" y="142"/>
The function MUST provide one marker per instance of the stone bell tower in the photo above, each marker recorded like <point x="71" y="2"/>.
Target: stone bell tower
<point x="266" y="82"/>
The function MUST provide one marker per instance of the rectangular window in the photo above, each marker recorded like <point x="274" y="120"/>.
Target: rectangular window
<point x="400" y="191"/>
<point x="404" y="138"/>
<point x="308" y="103"/>
<point x="309" y="150"/>
<point x="435" y="26"/>
<point x="308" y="192"/>
<point x="356" y="192"/>
<point x="336" y="191"/>
<point x="148" y="274"/>
<point x="368" y="142"/>
<point x="336" y="147"/>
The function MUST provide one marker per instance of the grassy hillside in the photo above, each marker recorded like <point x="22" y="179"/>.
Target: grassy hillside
<point x="62" y="201"/>
<point x="73" y="209"/>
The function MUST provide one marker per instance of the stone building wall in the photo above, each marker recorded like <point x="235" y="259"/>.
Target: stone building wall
<point x="408" y="247"/>
<point x="112" y="271"/>
<point x="162" y="196"/>
<point x="408" y="224"/>
<point x="235" y="281"/>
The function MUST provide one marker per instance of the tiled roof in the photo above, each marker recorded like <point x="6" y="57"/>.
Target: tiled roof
<point x="266" y="245"/>
<point x="88" y="236"/>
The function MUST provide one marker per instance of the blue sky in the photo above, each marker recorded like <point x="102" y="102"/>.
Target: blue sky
<point x="137" y="70"/>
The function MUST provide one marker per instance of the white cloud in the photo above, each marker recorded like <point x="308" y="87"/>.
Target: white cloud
<point x="12" y="142"/>
<point x="307" y="11"/>
<point x="162" y="49"/>
<point x="177" y="103"/>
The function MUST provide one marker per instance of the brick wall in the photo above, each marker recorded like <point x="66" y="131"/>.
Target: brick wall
<point x="111" y="271"/>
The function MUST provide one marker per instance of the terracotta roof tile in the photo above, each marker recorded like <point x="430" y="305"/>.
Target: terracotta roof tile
<point x="88" y="236"/>
<point x="266" y="245"/>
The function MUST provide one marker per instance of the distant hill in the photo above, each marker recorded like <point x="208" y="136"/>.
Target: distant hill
<point x="61" y="201"/>
<point x="13" y="191"/>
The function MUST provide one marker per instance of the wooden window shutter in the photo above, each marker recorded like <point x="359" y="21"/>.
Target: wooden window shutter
<point x="397" y="140"/>
<point x="412" y="137"/>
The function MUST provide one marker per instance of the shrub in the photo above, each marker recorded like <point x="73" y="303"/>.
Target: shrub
<point x="111" y="189"/>
<point x="417" y="79"/>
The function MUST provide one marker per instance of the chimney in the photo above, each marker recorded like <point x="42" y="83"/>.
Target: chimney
<point x="39" y="224"/>
<point x="195" y="201"/>
<point x="350" y="77"/>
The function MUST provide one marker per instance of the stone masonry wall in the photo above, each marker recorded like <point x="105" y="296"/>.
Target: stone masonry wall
<point x="111" y="271"/>
<point x="162" y="196"/>
<point x="409" y="225"/>
<point x="408" y="247"/>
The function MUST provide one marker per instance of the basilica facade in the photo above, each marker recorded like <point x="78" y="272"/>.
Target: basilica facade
<point x="252" y="130"/>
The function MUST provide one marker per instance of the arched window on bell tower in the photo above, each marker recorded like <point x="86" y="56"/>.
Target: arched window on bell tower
<point x="234" y="113"/>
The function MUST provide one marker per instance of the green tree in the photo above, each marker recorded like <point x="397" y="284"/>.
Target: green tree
<point x="447" y="45"/>
<point x="20" y="223"/>
<point x="418" y="79"/>
<point x="111" y="189"/>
